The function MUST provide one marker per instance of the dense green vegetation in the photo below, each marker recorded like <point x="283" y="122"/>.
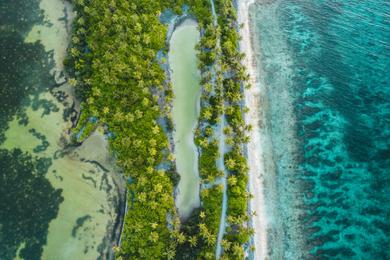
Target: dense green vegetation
<point x="206" y="135"/>
<point x="238" y="231"/>
<point x="114" y="68"/>
<point x="222" y="79"/>
<point x="113" y="56"/>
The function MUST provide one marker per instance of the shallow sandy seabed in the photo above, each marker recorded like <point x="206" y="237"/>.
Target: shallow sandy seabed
<point x="89" y="189"/>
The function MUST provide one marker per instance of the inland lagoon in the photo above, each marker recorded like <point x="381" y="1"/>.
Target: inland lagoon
<point x="58" y="201"/>
<point x="185" y="79"/>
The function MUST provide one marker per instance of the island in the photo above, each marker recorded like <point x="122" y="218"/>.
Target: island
<point x="194" y="129"/>
<point x="166" y="79"/>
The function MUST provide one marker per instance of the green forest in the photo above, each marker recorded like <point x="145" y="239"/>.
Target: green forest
<point x="113" y="66"/>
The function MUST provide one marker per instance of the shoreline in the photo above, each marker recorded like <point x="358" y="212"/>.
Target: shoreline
<point x="255" y="153"/>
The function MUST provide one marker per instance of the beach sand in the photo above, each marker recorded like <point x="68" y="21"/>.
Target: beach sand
<point x="255" y="117"/>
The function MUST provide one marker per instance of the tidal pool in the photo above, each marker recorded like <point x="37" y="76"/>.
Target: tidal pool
<point x="185" y="78"/>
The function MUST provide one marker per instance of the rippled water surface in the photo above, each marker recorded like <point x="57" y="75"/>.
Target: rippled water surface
<point x="325" y="66"/>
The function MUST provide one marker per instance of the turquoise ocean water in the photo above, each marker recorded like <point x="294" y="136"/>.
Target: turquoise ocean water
<point x="325" y="68"/>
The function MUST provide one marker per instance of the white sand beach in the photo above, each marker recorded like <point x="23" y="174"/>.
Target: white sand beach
<point x="255" y="150"/>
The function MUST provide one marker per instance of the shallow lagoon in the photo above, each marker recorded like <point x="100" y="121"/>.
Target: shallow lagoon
<point x="63" y="201"/>
<point x="185" y="79"/>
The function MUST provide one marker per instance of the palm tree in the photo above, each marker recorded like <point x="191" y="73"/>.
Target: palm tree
<point x="230" y="163"/>
<point x="226" y="244"/>
<point x="207" y="114"/>
<point x="232" y="180"/>
<point x="193" y="240"/>
<point x="238" y="251"/>
<point x="181" y="238"/>
<point x="204" y="143"/>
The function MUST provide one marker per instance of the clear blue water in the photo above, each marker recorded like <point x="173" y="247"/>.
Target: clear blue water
<point x="325" y="70"/>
